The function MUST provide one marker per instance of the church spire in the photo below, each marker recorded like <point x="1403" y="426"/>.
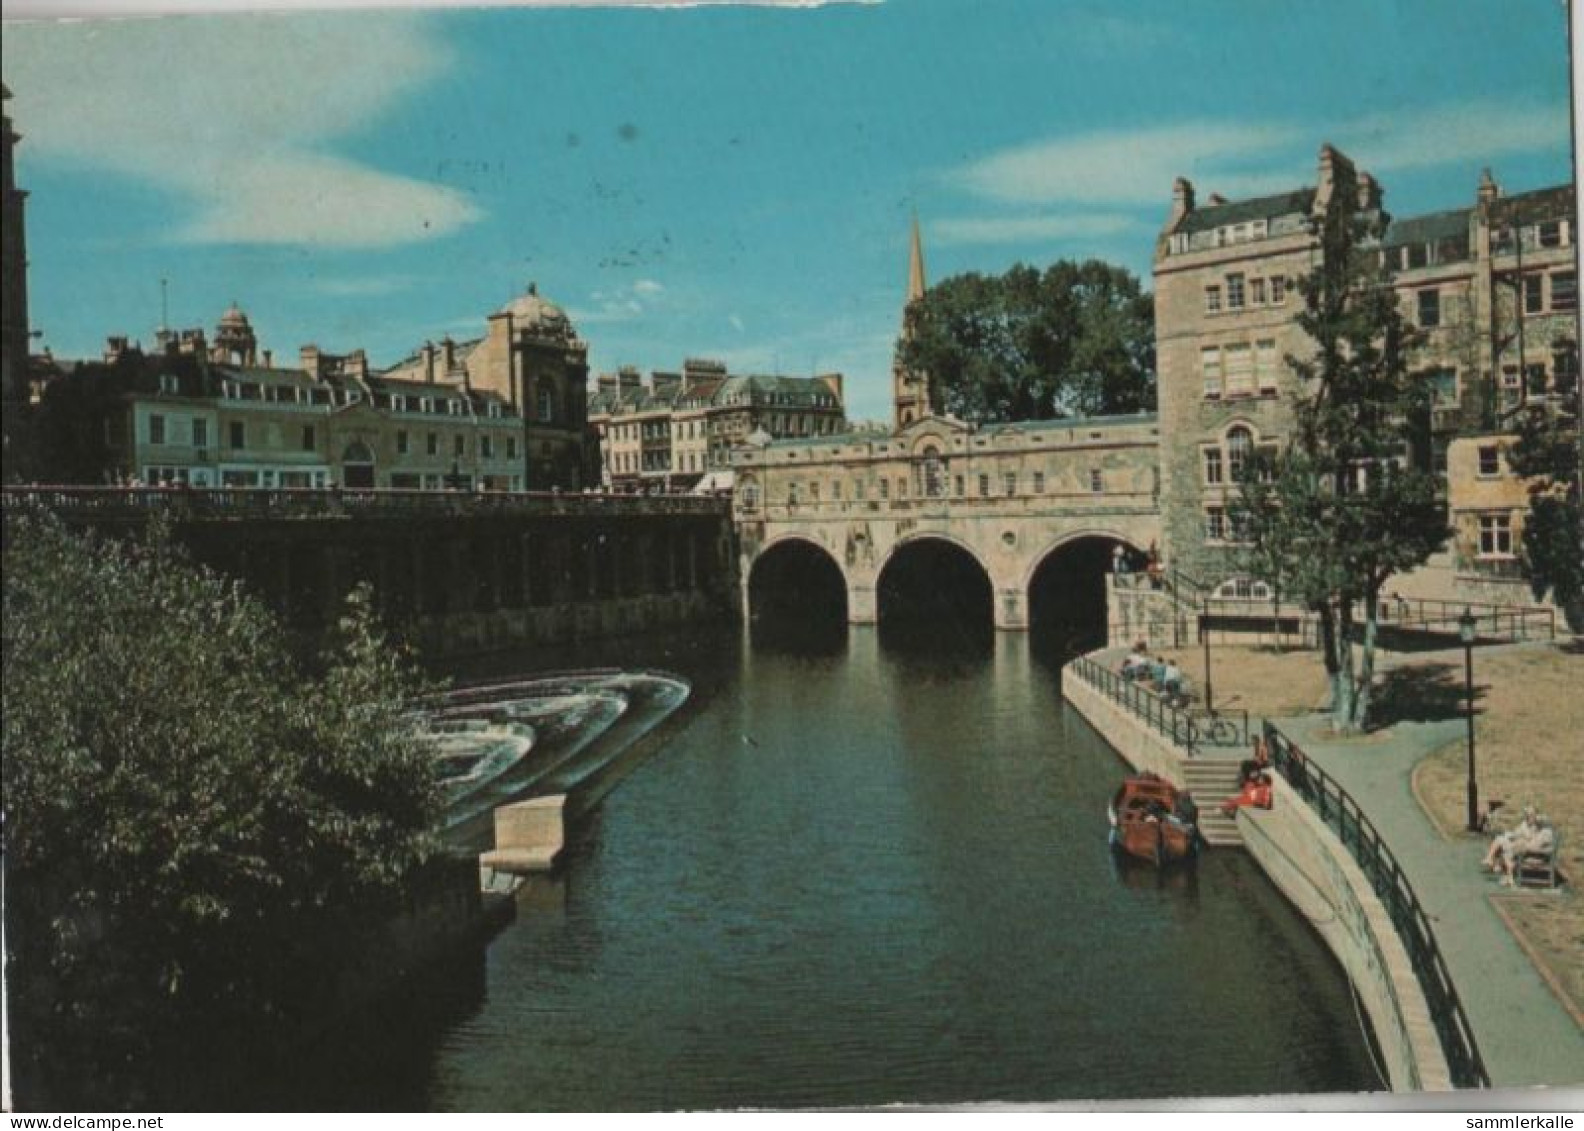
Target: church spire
<point x="916" y="283"/>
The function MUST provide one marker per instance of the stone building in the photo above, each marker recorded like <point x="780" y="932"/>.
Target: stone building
<point x="1493" y="287"/>
<point x="228" y="415"/>
<point x="676" y="431"/>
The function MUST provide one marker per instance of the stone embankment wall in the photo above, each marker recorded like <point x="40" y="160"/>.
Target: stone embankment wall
<point x="1314" y="870"/>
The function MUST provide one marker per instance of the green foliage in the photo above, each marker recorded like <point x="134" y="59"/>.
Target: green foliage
<point x="1547" y="454"/>
<point x="1339" y="511"/>
<point x="1026" y="345"/>
<point x="187" y="811"/>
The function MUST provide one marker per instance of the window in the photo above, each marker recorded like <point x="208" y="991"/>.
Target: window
<point x="1278" y="290"/>
<point x="307" y="438"/>
<point x="432" y="443"/>
<point x="814" y="492"/>
<point x="1096" y="480"/>
<point x="1564" y="290"/>
<point x="984" y="486"/>
<point x="1489" y="460"/>
<point x="200" y="433"/>
<point x="1212" y="299"/>
<point x="1429" y="307"/>
<point x="487" y="446"/>
<point x="1039" y="482"/>
<point x="1257" y="292"/>
<point x="1550" y="233"/>
<point x="1533" y="294"/>
<point x="1243" y="589"/>
<point x="1239" y="370"/>
<point x="1239" y="442"/>
<point x="957" y="486"/>
<point x="170" y="383"/>
<point x="1212" y="467"/>
<point x="885" y="488"/>
<point x="401" y="443"/>
<point x="1009" y="481"/>
<point x="1235" y="291"/>
<point x="459" y="445"/>
<point x="1210" y="367"/>
<point x="1265" y="365"/>
<point x="1495" y="536"/>
<point x="238" y="435"/>
<point x="750" y="495"/>
<point x="156" y="429"/>
<point x="1443" y="386"/>
<point x="1215" y="524"/>
<point x="511" y="447"/>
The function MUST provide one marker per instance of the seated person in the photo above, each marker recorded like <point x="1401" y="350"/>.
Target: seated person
<point x="1505" y="845"/>
<point x="1258" y="764"/>
<point x="1135" y="664"/>
<point x="1256" y="792"/>
<point x="1157" y="670"/>
<point x="1538" y="837"/>
<point x="1171" y="680"/>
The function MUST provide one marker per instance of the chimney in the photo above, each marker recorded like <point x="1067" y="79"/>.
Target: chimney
<point x="628" y="379"/>
<point x="356" y="365"/>
<point x="833" y="382"/>
<point x="1216" y="200"/>
<point x="269" y="359"/>
<point x="1489" y="190"/>
<point x="428" y="353"/>
<point x="449" y="348"/>
<point x="312" y="361"/>
<point x="1182" y="201"/>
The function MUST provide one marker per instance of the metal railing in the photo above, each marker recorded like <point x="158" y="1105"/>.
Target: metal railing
<point x="1363" y="841"/>
<point x="1491" y="621"/>
<point x="223" y="503"/>
<point x="1192" y="728"/>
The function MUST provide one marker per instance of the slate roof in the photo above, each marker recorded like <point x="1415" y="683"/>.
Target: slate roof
<point x="1430" y="228"/>
<point x="1211" y="216"/>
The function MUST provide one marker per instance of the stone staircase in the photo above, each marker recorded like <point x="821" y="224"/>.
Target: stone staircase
<point x="1212" y="781"/>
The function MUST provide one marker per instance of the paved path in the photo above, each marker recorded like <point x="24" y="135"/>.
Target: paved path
<point x="1525" y="1034"/>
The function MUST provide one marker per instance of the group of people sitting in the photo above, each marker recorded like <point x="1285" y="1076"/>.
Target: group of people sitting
<point x="1532" y="834"/>
<point x="1254" y="781"/>
<point x="1162" y="674"/>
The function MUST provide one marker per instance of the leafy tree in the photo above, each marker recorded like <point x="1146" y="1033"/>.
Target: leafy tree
<point x="1078" y="338"/>
<point x="192" y="818"/>
<point x="1548" y="454"/>
<point x="1341" y="510"/>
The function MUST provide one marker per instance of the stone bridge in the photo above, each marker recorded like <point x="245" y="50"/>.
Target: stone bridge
<point x="1037" y="509"/>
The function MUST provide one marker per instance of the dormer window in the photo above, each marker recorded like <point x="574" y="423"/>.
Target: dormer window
<point x="169" y="383"/>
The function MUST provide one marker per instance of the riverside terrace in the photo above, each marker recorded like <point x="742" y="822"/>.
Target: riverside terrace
<point x="454" y="572"/>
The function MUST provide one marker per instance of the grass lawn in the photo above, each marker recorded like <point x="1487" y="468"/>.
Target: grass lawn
<point x="1529" y="737"/>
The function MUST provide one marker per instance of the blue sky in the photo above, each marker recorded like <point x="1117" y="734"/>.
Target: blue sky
<point x="728" y="182"/>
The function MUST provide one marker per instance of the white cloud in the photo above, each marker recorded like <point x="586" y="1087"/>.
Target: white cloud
<point x="1121" y="167"/>
<point x="1018" y="229"/>
<point x="1113" y="166"/>
<point x="647" y="287"/>
<point x="240" y="116"/>
<point x="626" y="303"/>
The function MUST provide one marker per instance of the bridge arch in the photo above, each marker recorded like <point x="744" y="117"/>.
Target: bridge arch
<point x="936" y="581"/>
<point x="795" y="577"/>
<point x="1066" y="586"/>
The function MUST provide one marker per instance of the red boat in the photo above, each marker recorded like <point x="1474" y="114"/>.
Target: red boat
<point x="1145" y="821"/>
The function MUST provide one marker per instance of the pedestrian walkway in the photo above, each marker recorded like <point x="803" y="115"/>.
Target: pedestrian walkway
<point x="1525" y="1035"/>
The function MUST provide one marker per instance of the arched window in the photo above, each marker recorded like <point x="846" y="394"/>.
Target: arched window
<point x="932" y="473"/>
<point x="546" y="405"/>
<point x="1243" y="589"/>
<point x="1239" y="443"/>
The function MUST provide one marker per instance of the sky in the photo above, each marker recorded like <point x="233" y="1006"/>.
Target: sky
<point x="722" y="181"/>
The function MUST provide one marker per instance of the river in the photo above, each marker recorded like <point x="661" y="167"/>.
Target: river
<point x="862" y="870"/>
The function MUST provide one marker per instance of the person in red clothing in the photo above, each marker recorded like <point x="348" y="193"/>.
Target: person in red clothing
<point x="1256" y="791"/>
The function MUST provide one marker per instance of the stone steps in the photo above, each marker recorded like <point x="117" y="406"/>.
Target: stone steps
<point x="1212" y="781"/>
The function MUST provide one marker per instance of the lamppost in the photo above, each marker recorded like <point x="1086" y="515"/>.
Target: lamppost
<point x="1204" y="633"/>
<point x="1466" y="632"/>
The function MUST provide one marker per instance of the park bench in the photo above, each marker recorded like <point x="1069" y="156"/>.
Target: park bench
<point x="1539" y="869"/>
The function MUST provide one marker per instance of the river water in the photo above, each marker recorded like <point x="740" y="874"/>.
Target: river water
<point x="862" y="870"/>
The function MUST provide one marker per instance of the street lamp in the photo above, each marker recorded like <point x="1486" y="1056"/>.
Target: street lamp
<point x="1204" y="632"/>
<point x="1466" y="632"/>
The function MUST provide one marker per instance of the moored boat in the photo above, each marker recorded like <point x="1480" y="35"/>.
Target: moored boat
<point x="1147" y="821"/>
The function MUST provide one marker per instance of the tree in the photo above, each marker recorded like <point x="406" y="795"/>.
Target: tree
<point x="192" y="816"/>
<point x="1340" y="510"/>
<point x="1547" y="454"/>
<point x="1077" y="339"/>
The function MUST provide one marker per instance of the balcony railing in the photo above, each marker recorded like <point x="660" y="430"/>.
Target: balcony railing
<point x="234" y="503"/>
<point x="1363" y="841"/>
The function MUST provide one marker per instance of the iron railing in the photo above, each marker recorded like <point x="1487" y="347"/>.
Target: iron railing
<point x="1337" y="809"/>
<point x="1491" y="621"/>
<point x="223" y="503"/>
<point x="1192" y="728"/>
